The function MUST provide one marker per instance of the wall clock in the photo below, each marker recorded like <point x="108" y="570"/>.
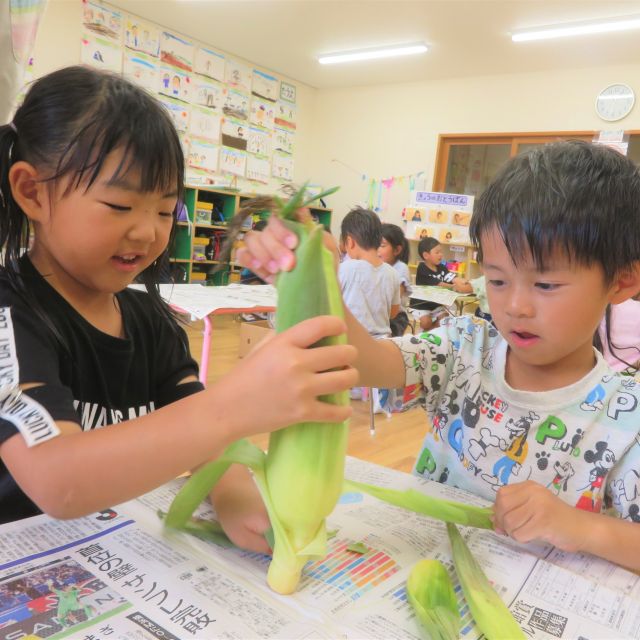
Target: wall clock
<point x="615" y="102"/>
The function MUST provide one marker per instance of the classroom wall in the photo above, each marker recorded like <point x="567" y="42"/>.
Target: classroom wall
<point x="58" y="45"/>
<point x="392" y="130"/>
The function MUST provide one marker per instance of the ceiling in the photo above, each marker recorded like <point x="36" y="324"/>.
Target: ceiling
<point x="467" y="37"/>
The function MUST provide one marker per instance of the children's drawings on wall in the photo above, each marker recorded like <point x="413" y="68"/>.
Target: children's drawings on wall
<point x="238" y="75"/>
<point x="230" y="117"/>
<point x="209" y="63"/>
<point x="285" y="115"/>
<point x="262" y="112"/>
<point x="203" y="155"/>
<point x="283" y="140"/>
<point x="175" y="83"/>
<point x="234" y="133"/>
<point x="259" y="142"/>
<point x="101" y="53"/>
<point x="258" y="168"/>
<point x="142" y="36"/>
<point x="236" y="104"/>
<point x="264" y="86"/>
<point x="141" y="69"/>
<point x="102" y="21"/>
<point x="233" y="161"/>
<point x="178" y="111"/>
<point x="176" y="52"/>
<point x="204" y="124"/>
<point x="287" y="92"/>
<point x="206" y="93"/>
<point x="282" y="166"/>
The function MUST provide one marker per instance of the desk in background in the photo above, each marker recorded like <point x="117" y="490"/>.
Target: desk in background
<point x="201" y="302"/>
<point x="443" y="296"/>
<point x="135" y="581"/>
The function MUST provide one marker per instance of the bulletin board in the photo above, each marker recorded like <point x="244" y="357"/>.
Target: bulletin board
<point x="234" y="120"/>
<point x="445" y="216"/>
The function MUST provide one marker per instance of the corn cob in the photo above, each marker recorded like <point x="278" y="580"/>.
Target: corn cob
<point x="487" y="608"/>
<point x="432" y="597"/>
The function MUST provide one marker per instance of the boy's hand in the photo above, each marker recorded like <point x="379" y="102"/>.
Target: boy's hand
<point x="240" y="510"/>
<point x="270" y="251"/>
<point x="527" y="511"/>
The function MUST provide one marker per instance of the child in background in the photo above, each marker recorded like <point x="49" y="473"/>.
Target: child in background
<point x="527" y="413"/>
<point x="618" y="336"/>
<point x="431" y="272"/>
<point x="394" y="250"/>
<point x="93" y="166"/>
<point x="370" y="287"/>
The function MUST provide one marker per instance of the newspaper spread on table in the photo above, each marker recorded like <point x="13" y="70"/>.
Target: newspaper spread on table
<point x="119" y="575"/>
<point x="439" y="295"/>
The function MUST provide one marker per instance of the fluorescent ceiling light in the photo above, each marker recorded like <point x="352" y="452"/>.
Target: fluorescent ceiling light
<point x="577" y="29"/>
<point x="372" y="54"/>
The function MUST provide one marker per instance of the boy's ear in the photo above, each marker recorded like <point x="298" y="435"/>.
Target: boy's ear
<point x="626" y="284"/>
<point x="29" y="191"/>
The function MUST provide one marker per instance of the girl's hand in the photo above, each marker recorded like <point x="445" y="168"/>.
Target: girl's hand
<point x="280" y="382"/>
<point x="240" y="510"/>
<point x="527" y="511"/>
<point x="270" y="251"/>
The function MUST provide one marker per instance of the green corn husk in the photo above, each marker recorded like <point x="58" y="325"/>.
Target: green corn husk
<point x="487" y="608"/>
<point x="301" y="476"/>
<point x="445" y="510"/>
<point x="433" y="599"/>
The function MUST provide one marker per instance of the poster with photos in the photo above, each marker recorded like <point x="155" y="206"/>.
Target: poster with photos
<point x="238" y="75"/>
<point x="142" y="36"/>
<point x="176" y="52"/>
<point x="264" y="86"/>
<point x="204" y="123"/>
<point x="282" y="166"/>
<point x="262" y="112"/>
<point x="233" y="161"/>
<point x="258" y="168"/>
<point x="174" y="83"/>
<point x="103" y="21"/>
<point x="101" y="53"/>
<point x="206" y="93"/>
<point x="236" y="104"/>
<point x="141" y="69"/>
<point x="287" y="92"/>
<point x="444" y="216"/>
<point x="259" y="141"/>
<point x="203" y="155"/>
<point x="209" y="63"/>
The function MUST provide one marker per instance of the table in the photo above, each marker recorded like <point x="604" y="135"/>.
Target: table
<point x="133" y="580"/>
<point x="201" y="302"/>
<point x="441" y="295"/>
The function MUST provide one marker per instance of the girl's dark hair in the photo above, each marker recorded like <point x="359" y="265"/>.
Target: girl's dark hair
<point x="394" y="235"/>
<point x="574" y="196"/>
<point x="427" y="244"/>
<point x="68" y="124"/>
<point x="364" y="226"/>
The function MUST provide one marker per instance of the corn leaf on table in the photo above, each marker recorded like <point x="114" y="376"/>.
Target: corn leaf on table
<point x="136" y="577"/>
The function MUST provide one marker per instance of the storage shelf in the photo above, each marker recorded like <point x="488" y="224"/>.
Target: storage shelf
<point x="227" y="202"/>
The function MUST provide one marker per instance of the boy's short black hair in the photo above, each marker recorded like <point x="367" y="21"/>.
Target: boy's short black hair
<point x="579" y="197"/>
<point x="427" y="244"/>
<point x="364" y="227"/>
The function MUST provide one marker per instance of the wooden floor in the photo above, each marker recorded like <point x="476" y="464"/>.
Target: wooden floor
<point x="397" y="439"/>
